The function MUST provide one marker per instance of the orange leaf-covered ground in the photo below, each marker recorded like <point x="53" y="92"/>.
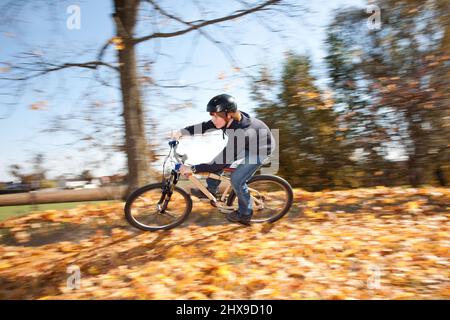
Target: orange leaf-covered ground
<point x="375" y="243"/>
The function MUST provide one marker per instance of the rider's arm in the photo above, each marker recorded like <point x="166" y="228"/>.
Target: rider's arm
<point x="208" y="167"/>
<point x="199" y="128"/>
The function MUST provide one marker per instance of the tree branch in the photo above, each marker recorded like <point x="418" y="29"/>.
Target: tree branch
<point x="235" y="15"/>
<point x="89" y="65"/>
<point x="217" y="43"/>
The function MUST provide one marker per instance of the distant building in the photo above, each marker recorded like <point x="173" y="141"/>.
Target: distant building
<point x="71" y="181"/>
<point x="73" y="184"/>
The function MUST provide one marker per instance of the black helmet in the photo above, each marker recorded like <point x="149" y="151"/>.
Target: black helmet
<point x="222" y="103"/>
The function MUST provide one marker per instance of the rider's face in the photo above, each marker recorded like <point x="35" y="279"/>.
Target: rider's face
<point x="218" y="121"/>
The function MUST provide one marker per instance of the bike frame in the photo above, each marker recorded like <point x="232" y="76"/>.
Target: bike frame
<point x="220" y="203"/>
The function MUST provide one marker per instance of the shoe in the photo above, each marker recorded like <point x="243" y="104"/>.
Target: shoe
<point x="235" y="216"/>
<point x="199" y="194"/>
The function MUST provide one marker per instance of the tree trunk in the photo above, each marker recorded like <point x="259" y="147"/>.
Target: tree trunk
<point x="133" y="113"/>
<point x="416" y="166"/>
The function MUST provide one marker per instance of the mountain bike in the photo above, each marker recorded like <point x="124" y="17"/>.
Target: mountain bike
<point x="164" y="205"/>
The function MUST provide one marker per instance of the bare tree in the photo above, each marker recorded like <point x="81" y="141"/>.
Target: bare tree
<point x="126" y="17"/>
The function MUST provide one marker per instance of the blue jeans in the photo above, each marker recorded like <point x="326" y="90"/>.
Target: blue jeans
<point x="239" y="178"/>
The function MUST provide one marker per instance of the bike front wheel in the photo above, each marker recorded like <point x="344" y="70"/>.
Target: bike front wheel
<point x="271" y="197"/>
<point x="152" y="208"/>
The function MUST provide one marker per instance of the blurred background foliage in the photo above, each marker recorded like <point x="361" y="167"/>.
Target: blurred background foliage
<point x="377" y="114"/>
<point x="385" y="119"/>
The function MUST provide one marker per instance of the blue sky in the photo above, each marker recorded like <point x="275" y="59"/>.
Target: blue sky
<point x="65" y="92"/>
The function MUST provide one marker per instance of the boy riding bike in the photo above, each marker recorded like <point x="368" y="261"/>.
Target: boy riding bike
<point x="250" y="143"/>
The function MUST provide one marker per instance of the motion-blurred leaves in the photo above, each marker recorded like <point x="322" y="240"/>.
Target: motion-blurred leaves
<point x="328" y="248"/>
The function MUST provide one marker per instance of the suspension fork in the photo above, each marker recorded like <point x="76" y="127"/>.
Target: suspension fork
<point x="167" y="191"/>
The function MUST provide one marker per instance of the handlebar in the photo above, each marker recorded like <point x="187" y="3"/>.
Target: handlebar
<point x="179" y="157"/>
<point x="173" y="143"/>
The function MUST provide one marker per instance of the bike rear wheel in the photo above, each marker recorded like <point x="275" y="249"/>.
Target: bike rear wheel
<point x="150" y="208"/>
<point x="273" y="198"/>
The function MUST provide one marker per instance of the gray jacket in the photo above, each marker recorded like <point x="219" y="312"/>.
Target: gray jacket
<point x="249" y="140"/>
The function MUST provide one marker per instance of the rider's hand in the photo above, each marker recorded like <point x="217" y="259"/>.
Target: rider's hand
<point x="175" y="134"/>
<point x="185" y="170"/>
